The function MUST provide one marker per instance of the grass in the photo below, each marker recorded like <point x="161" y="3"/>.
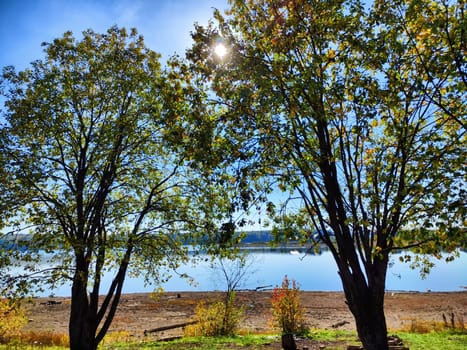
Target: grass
<point x="446" y="340"/>
<point x="193" y="343"/>
<point x="203" y="343"/>
<point x="434" y="340"/>
<point x="37" y="340"/>
<point x="20" y="346"/>
<point x="331" y="335"/>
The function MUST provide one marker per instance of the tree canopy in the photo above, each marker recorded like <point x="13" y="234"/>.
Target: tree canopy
<point x="102" y="150"/>
<point x="354" y="110"/>
<point x="358" y="111"/>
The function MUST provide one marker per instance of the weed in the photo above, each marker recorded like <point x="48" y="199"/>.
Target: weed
<point x="156" y="295"/>
<point x="116" y="337"/>
<point x="454" y="321"/>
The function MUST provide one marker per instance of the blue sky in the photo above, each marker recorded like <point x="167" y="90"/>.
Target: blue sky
<point x="165" y="24"/>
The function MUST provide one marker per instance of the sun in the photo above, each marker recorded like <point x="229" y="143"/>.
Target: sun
<point x="220" y="50"/>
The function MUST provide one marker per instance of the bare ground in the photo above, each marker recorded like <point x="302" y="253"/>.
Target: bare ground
<point x="324" y="310"/>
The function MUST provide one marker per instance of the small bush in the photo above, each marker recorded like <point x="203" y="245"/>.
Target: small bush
<point x="116" y="337"/>
<point x="287" y="313"/>
<point x="12" y="319"/>
<point x="157" y="294"/>
<point x="220" y="318"/>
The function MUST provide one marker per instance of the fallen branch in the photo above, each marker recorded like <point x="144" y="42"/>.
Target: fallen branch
<point x="260" y="288"/>
<point x="339" y="324"/>
<point x="166" y="328"/>
<point x="170" y="338"/>
<point x="51" y="302"/>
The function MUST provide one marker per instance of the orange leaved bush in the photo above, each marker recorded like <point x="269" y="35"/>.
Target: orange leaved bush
<point x="287" y="313"/>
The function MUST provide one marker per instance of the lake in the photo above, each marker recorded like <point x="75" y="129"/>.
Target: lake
<point x="312" y="272"/>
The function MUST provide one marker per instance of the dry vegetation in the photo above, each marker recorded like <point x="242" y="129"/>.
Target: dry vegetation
<point x="412" y="312"/>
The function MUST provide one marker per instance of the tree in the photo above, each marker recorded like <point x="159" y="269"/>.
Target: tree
<point x="103" y="156"/>
<point x="334" y="103"/>
<point x="234" y="271"/>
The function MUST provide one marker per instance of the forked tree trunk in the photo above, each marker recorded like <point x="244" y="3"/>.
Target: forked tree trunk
<point x="371" y="323"/>
<point x="364" y="290"/>
<point x="85" y="316"/>
<point x="81" y="327"/>
<point x="366" y="302"/>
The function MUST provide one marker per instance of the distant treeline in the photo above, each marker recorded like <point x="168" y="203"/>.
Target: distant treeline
<point x="258" y="237"/>
<point x="20" y="241"/>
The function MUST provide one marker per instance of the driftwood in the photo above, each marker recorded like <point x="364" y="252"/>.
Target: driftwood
<point x="166" y="328"/>
<point x="339" y="324"/>
<point x="170" y="338"/>
<point x="51" y="302"/>
<point x="260" y="288"/>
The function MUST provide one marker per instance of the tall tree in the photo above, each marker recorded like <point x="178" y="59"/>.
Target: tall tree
<point x="106" y="153"/>
<point x="335" y="103"/>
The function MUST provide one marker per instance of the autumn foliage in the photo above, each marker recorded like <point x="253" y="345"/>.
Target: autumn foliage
<point x="287" y="313"/>
<point x="12" y="319"/>
<point x="220" y="318"/>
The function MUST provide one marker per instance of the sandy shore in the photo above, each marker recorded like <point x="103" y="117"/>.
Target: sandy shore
<point x="140" y="312"/>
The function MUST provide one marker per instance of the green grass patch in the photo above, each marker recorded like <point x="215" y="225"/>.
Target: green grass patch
<point x="334" y="335"/>
<point x="201" y="343"/>
<point x="30" y="347"/>
<point x="446" y="340"/>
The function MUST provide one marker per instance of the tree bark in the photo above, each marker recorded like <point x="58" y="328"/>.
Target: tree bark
<point x="363" y="275"/>
<point x="81" y="326"/>
<point x="371" y="325"/>
<point x="366" y="302"/>
<point x="288" y="342"/>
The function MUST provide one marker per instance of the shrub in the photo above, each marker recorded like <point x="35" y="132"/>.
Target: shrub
<point x="12" y="319"/>
<point x="220" y="318"/>
<point x="287" y="313"/>
<point x="116" y="337"/>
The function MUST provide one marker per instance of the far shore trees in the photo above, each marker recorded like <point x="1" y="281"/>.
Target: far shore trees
<point x="104" y="170"/>
<point x="358" y="111"/>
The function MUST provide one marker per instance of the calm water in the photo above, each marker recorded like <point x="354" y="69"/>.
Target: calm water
<point x="312" y="272"/>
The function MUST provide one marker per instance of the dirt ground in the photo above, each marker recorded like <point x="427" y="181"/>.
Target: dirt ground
<point x="324" y="310"/>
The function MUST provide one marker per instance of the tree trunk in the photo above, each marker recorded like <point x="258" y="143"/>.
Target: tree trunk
<point x="371" y="324"/>
<point x="364" y="289"/>
<point x="81" y="327"/>
<point x="288" y="342"/>
<point x="366" y="302"/>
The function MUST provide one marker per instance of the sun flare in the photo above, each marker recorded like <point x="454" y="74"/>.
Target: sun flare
<point x="220" y="50"/>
